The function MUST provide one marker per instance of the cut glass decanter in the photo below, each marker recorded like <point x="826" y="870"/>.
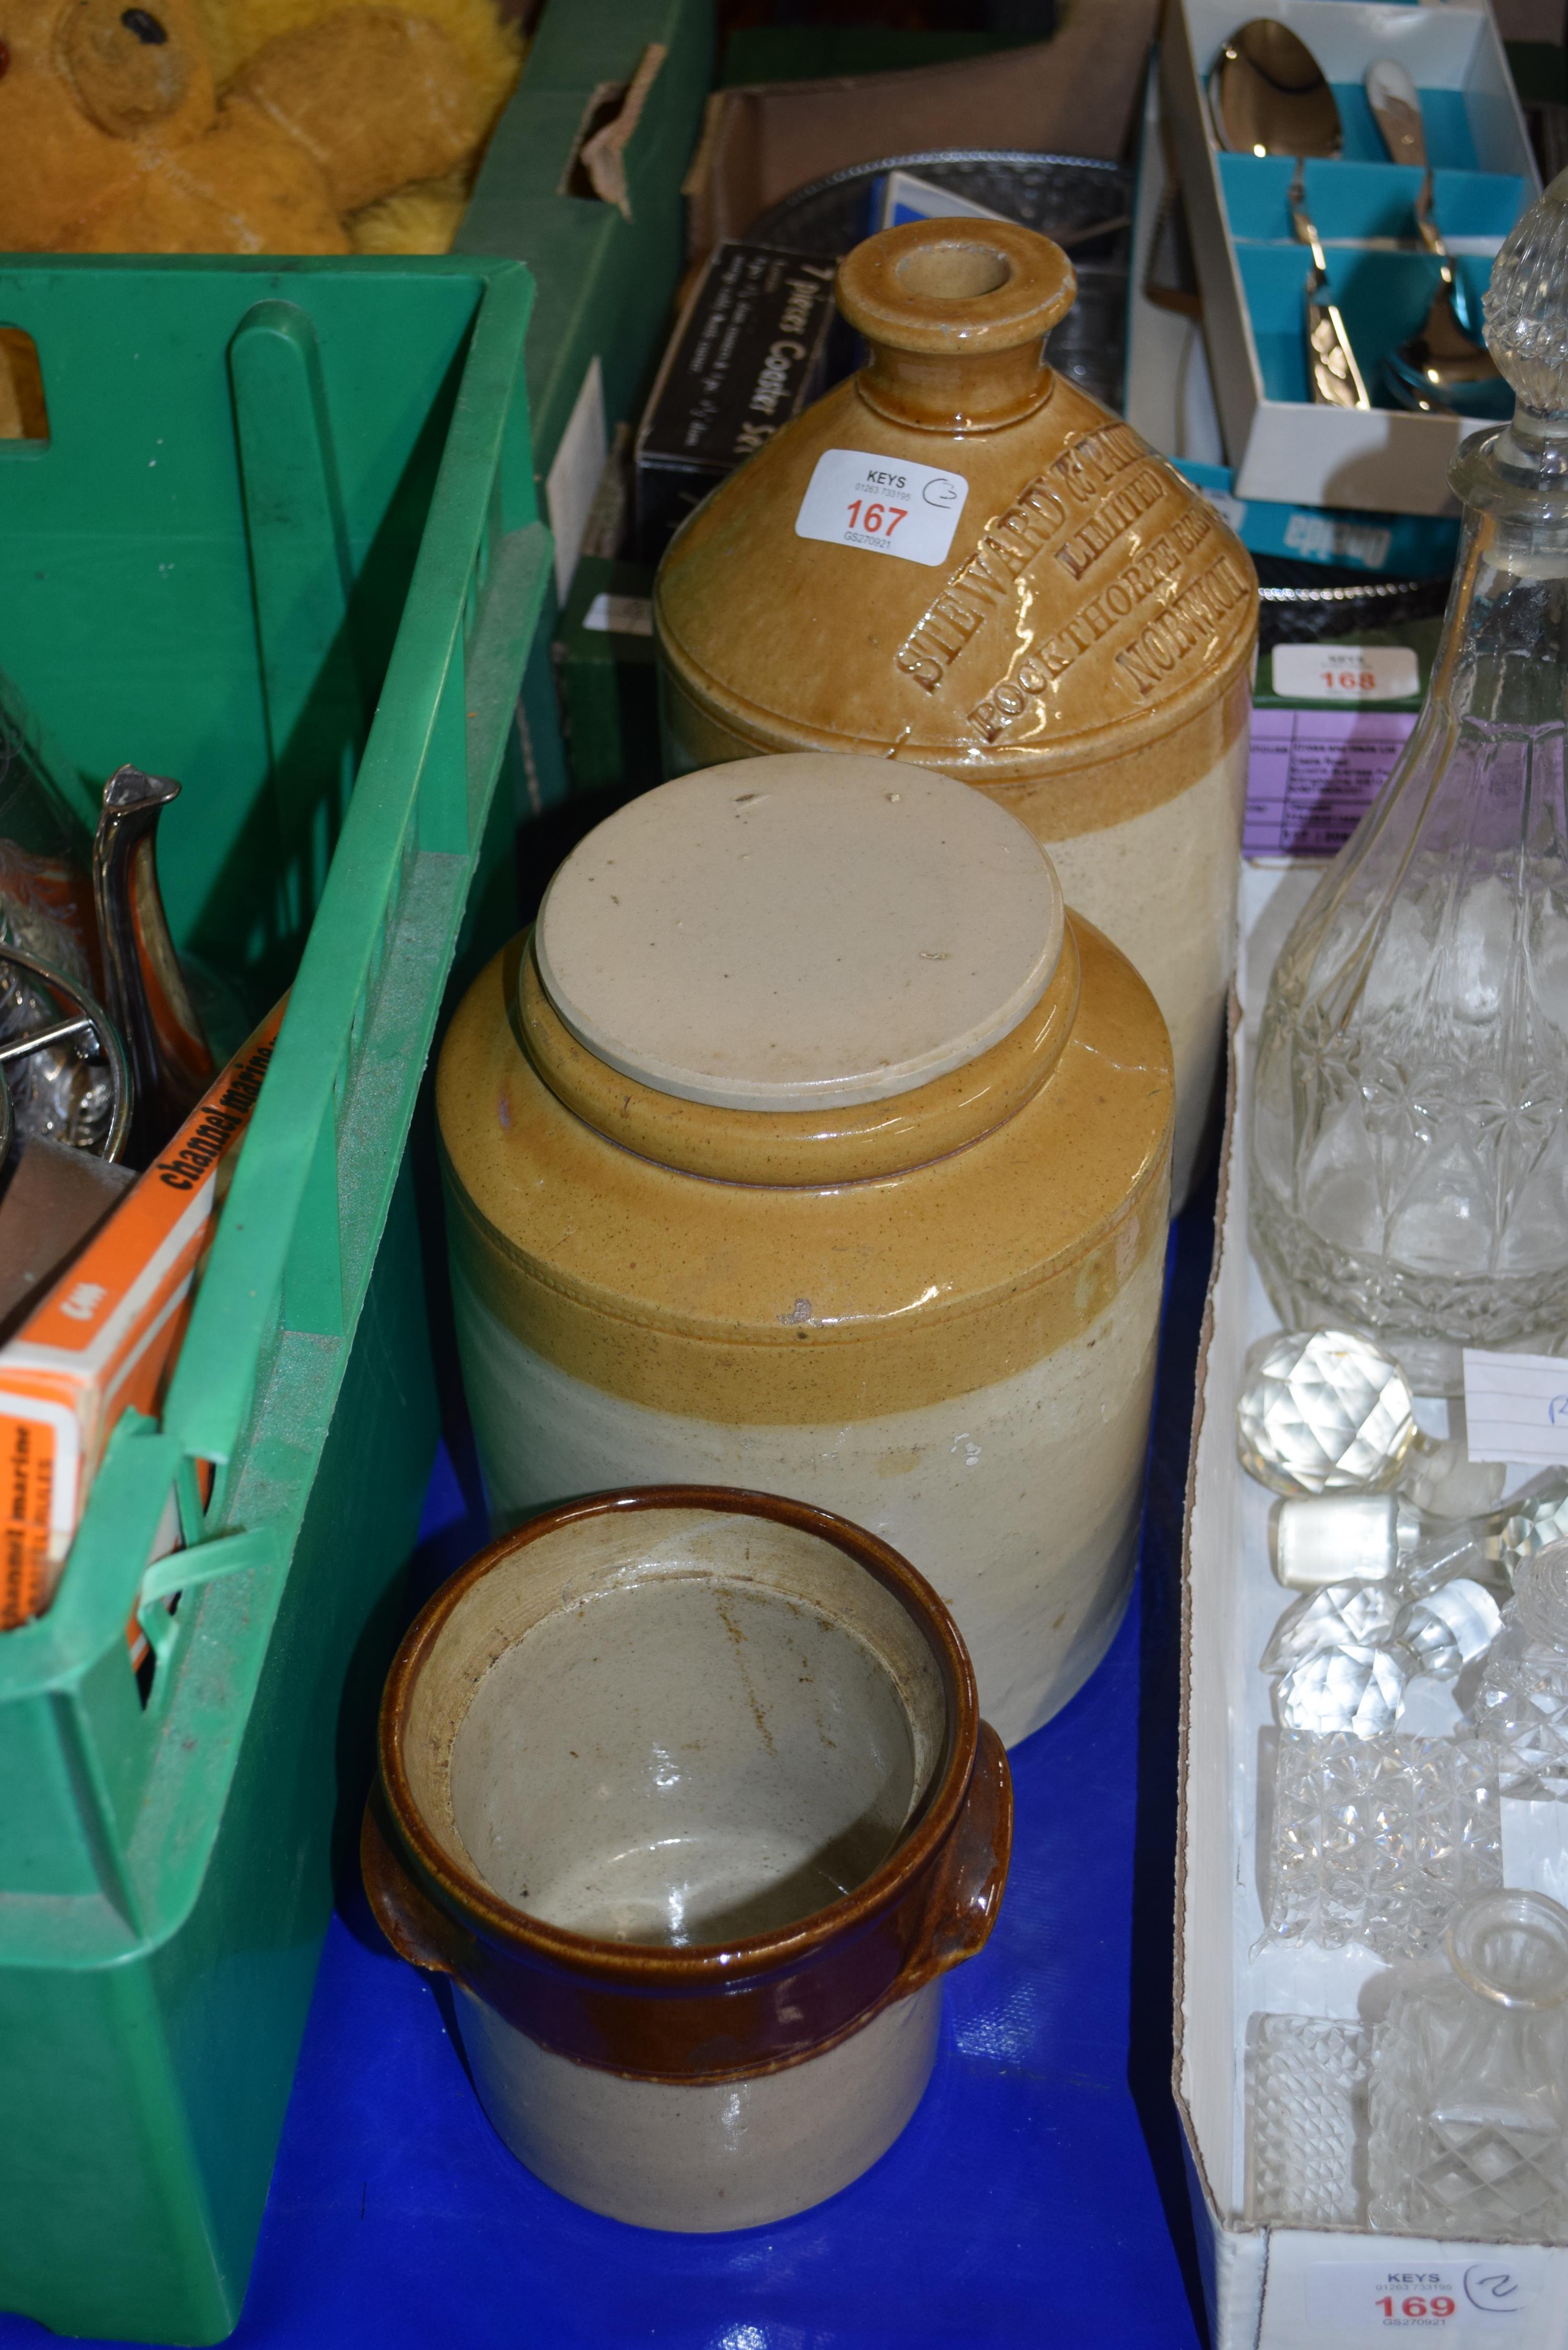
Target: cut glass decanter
<point x="1410" y="1147"/>
<point x="1306" y="2120"/>
<point x="1379" y="1840"/>
<point x="1469" y="2099"/>
<point x="1520" y="1707"/>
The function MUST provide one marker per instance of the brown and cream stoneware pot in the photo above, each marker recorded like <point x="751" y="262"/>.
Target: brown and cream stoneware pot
<point x="959" y="560"/>
<point x="689" y="1792"/>
<point x="808" y="1144"/>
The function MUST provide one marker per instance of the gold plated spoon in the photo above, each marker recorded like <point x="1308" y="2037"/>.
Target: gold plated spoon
<point x="1332" y="372"/>
<point x="1443" y="369"/>
<point x="1268" y="95"/>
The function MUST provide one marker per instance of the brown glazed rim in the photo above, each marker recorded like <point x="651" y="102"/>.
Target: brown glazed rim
<point x="651" y="1967"/>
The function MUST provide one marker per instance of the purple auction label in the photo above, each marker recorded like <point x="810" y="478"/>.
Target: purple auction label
<point x="1313" y="774"/>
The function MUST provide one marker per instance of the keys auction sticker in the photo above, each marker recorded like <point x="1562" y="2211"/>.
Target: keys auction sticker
<point x="1345" y="672"/>
<point x="1456" y="2300"/>
<point x="886" y="504"/>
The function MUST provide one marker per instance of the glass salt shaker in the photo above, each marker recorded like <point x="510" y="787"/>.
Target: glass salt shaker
<point x="1410" y="1149"/>
<point x="1469" y="2098"/>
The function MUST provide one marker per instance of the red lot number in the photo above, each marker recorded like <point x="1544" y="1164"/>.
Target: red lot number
<point x="1439" y="2304"/>
<point x="876" y="518"/>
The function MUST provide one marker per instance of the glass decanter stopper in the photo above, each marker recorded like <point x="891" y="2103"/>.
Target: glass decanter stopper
<point x="1469" y="2083"/>
<point x="1322" y="1411"/>
<point x="1325" y="1538"/>
<point x="1316" y="1539"/>
<point x="1410" y="1147"/>
<point x="1521" y="1706"/>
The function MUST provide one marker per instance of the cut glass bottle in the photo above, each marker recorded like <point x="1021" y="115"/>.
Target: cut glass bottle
<point x="1409" y="1150"/>
<point x="1469" y="2098"/>
<point x="1521" y="1706"/>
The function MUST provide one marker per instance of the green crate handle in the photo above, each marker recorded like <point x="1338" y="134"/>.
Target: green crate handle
<point x="283" y="1259"/>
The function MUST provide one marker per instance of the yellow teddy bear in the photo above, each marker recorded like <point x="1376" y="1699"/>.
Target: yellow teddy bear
<point x="244" y="126"/>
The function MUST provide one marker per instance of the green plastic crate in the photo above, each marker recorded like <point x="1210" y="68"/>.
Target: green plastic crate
<point x="283" y="544"/>
<point x="606" y="282"/>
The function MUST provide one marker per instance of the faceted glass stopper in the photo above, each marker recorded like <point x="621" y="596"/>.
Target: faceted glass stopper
<point x="1358" y="1691"/>
<point x="1323" y="1411"/>
<point x="1321" y="1538"/>
<point x="1540" y="1594"/>
<point x="1448" y="1628"/>
<point x="1441" y="1478"/>
<point x="1338" y="1616"/>
<point x="1527" y="305"/>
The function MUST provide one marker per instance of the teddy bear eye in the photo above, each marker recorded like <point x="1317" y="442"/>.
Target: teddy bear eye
<point x="4" y="60"/>
<point x="145" y="26"/>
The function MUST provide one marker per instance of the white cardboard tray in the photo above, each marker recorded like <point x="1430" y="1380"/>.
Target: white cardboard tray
<point x="1258" y="2278"/>
<point x="1287" y="451"/>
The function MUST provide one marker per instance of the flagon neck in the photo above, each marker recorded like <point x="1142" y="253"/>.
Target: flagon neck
<point x="956" y="315"/>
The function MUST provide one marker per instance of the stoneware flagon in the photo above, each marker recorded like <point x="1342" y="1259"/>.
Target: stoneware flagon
<point x="688" y="1792"/>
<point x="809" y="1144"/>
<point x="959" y="560"/>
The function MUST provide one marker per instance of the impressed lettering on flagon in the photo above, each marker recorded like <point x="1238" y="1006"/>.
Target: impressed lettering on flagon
<point x="1089" y="473"/>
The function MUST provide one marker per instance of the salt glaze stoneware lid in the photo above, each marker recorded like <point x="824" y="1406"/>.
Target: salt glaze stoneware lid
<point x="957" y="558"/>
<point x="979" y="1146"/>
<point x="701" y="941"/>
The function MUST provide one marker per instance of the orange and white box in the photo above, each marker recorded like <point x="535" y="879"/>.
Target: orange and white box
<point x="105" y="1337"/>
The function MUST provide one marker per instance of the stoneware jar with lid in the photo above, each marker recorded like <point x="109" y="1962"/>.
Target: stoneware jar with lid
<point x="959" y="560"/>
<point x="808" y="1144"/>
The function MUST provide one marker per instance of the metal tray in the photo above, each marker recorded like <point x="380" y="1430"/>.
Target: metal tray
<point x="1061" y="195"/>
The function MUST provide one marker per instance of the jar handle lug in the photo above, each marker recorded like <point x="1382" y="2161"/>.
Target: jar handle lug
<point x="967" y="1892"/>
<point x="415" y="1928"/>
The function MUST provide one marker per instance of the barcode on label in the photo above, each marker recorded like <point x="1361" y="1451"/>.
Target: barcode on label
<point x="886" y="505"/>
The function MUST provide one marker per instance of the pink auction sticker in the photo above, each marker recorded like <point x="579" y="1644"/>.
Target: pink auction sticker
<point x="1313" y="774"/>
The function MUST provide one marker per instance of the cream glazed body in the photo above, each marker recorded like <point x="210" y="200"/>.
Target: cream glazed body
<point x="1020" y="1501"/>
<point x="932" y="1306"/>
<point x="1081" y="650"/>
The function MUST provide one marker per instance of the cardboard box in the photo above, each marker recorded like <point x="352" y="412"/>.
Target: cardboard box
<point x="1252" y="270"/>
<point x="1170" y="400"/>
<point x="102" y="1340"/>
<point x="1272" y="2287"/>
<point x="1075" y="95"/>
<point x="749" y="354"/>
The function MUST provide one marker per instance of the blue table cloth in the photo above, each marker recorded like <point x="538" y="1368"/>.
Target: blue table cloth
<point x="1036" y="2199"/>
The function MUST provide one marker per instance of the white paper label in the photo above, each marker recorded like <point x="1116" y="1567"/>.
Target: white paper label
<point x="1345" y="672"/>
<point x="620" y="615"/>
<point x="1516" y="1407"/>
<point x="573" y="478"/>
<point x="886" y="504"/>
<point x="1457" y="2301"/>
